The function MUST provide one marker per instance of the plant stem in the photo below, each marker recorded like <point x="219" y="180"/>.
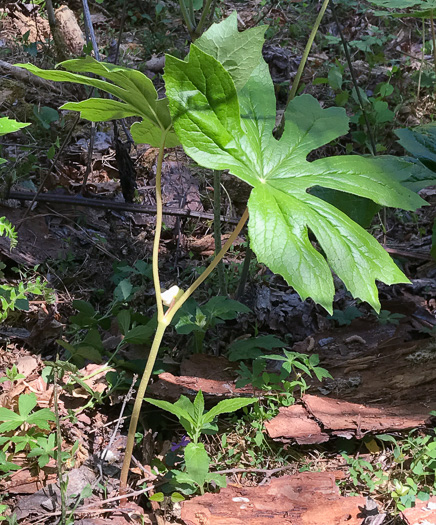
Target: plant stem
<point x="307" y="51"/>
<point x="191" y="11"/>
<point x="217" y="226"/>
<point x="203" y="18"/>
<point x="170" y="313"/>
<point x="161" y="327"/>
<point x="354" y="80"/>
<point x="159" y="211"/>
<point x="59" y="448"/>
<point x="422" y="59"/>
<point x="280" y="128"/>
<point x="189" y="24"/>
<point x="163" y="320"/>
<point x="433" y="37"/>
<point x="244" y="273"/>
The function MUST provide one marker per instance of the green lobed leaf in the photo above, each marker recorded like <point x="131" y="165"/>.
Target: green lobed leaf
<point x="207" y="118"/>
<point x="9" y="415"/>
<point x="123" y="319"/>
<point x="253" y="347"/>
<point x="141" y="334"/>
<point x="133" y="88"/>
<point x="41" y="418"/>
<point x="239" y="53"/>
<point x="224" y="308"/>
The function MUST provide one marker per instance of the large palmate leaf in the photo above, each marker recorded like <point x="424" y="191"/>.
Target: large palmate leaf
<point x="206" y="114"/>
<point x="239" y="53"/>
<point x="133" y="88"/>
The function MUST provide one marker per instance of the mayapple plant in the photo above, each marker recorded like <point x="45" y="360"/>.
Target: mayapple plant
<point x="221" y="107"/>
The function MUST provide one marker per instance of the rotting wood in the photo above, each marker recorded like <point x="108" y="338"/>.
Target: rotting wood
<point x="308" y="498"/>
<point x="320" y="418"/>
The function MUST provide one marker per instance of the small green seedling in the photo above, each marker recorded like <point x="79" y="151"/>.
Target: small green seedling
<point x="387" y="317"/>
<point x="345" y="317"/>
<point x="12" y="375"/>
<point x="291" y="376"/>
<point x="192" y="416"/>
<point x="196" y="320"/>
<point x="196" y="421"/>
<point x="26" y="404"/>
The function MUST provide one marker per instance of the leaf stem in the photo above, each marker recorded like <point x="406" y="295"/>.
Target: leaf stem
<point x="170" y="313"/>
<point x="281" y="126"/>
<point x="189" y="24"/>
<point x="159" y="212"/>
<point x="217" y="227"/>
<point x="433" y="37"/>
<point x="204" y="15"/>
<point x="161" y="327"/>
<point x="307" y="51"/>
<point x="354" y="80"/>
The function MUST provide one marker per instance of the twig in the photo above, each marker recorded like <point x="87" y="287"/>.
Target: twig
<point x="52" y="165"/>
<point x="25" y="76"/>
<point x="85" y="509"/>
<point x="107" y="424"/>
<point x="120" y="420"/>
<point x="110" y="205"/>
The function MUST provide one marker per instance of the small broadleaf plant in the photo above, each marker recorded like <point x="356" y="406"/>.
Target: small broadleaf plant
<point x="195" y="420"/>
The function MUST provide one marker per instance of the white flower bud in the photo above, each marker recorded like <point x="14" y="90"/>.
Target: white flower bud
<point x="170" y="295"/>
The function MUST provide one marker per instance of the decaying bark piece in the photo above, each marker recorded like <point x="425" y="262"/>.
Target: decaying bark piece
<point x="423" y="513"/>
<point x="308" y="498"/>
<point x="295" y="423"/>
<point x="321" y="417"/>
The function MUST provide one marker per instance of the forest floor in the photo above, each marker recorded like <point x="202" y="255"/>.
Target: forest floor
<point x="358" y="447"/>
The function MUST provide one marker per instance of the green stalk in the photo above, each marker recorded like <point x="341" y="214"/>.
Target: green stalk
<point x="307" y="51"/>
<point x="433" y="37"/>
<point x="63" y="518"/>
<point x="189" y="23"/>
<point x="203" y="18"/>
<point x="159" y="210"/>
<point x="161" y="327"/>
<point x="217" y="226"/>
<point x="179" y="302"/>
<point x="191" y="11"/>
<point x="422" y="59"/>
<point x="164" y="321"/>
